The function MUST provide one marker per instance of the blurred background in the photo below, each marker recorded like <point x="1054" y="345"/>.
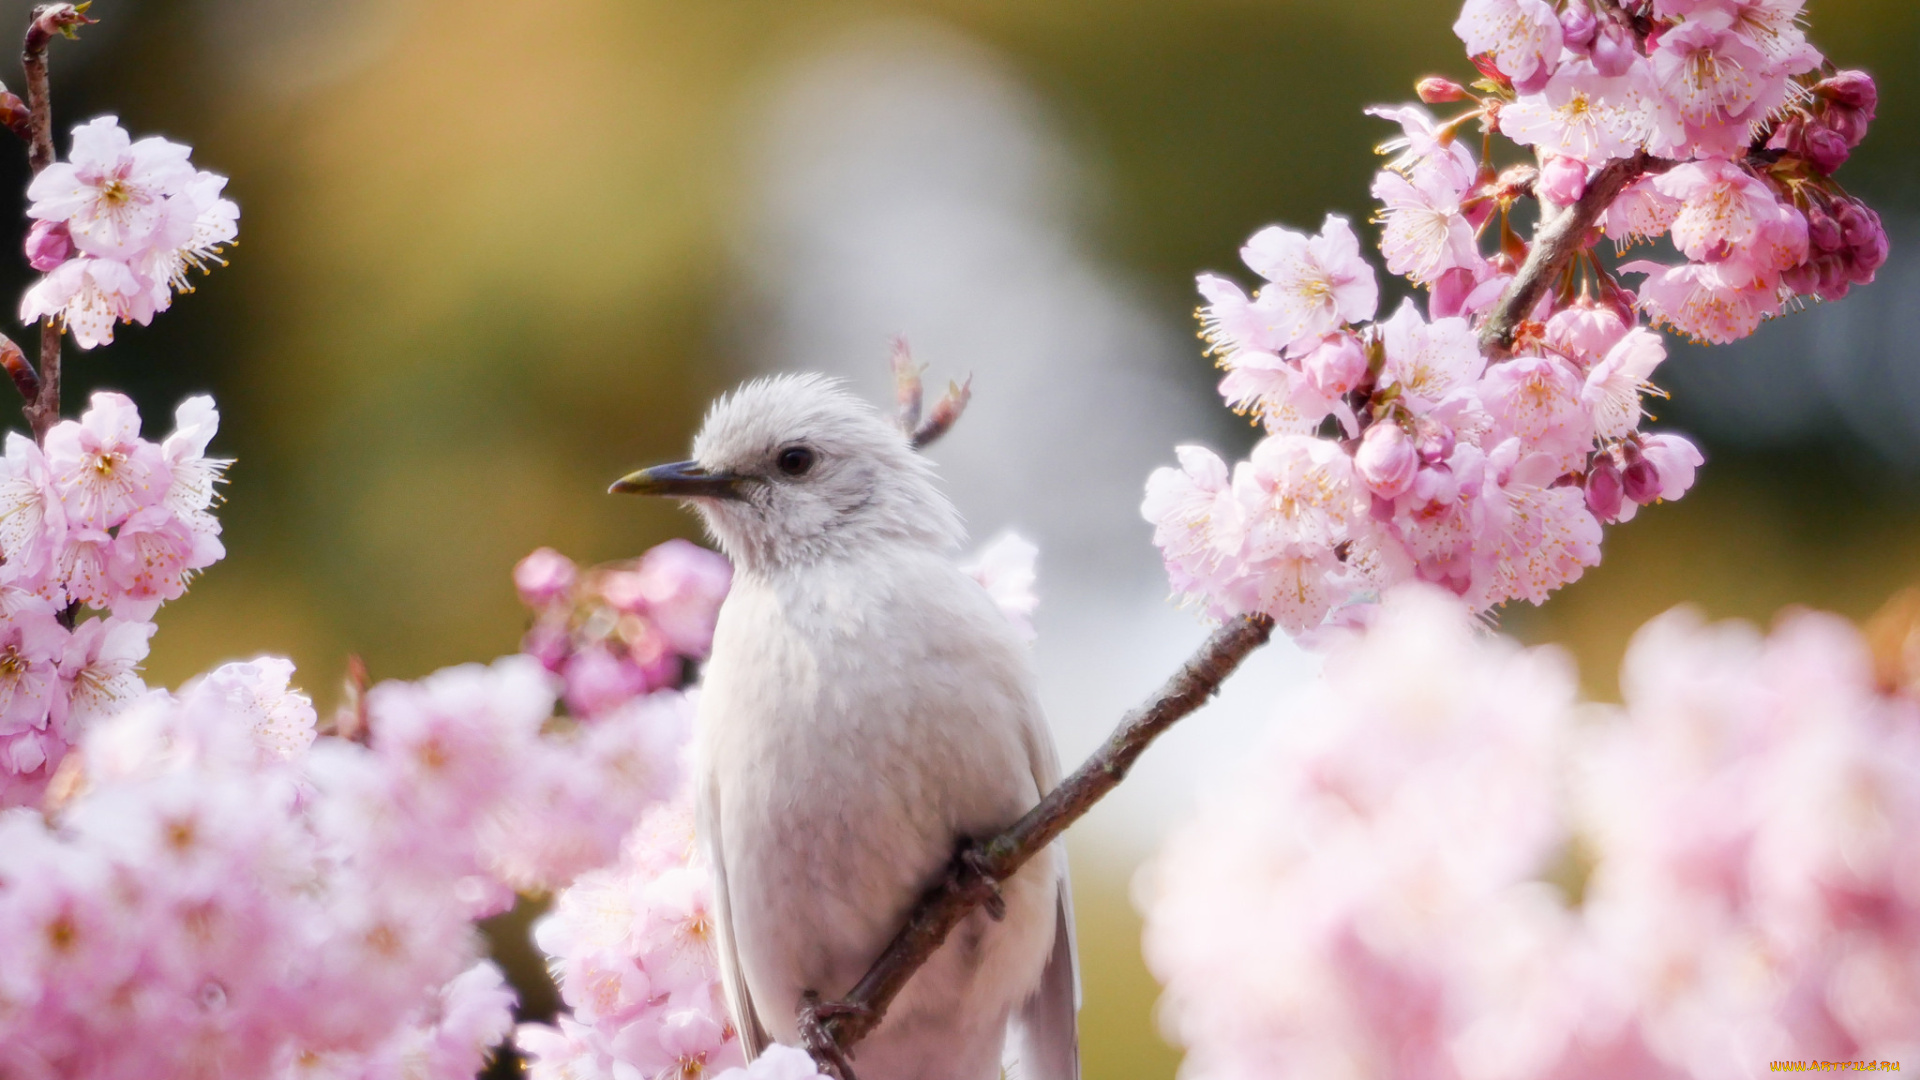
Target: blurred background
<point x="495" y="254"/>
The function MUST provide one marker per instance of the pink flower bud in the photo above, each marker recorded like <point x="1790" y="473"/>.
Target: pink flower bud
<point x="1578" y="26"/>
<point x="1605" y="489"/>
<point x="1640" y="481"/>
<point x="1386" y="460"/>
<point x="1336" y="365"/>
<point x="1562" y="181"/>
<point x="543" y="577"/>
<point x="48" y="245"/>
<point x="1433" y="440"/>
<point x="1824" y="149"/>
<point x="548" y="643"/>
<point x="1613" y="51"/>
<point x="1435" y="90"/>
<point x="1852" y="89"/>
<point x="1824" y="233"/>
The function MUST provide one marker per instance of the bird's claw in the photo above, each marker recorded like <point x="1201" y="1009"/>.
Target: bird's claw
<point x="972" y="862"/>
<point x="820" y="1043"/>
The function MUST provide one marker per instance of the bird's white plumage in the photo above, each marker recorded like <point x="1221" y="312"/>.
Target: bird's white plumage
<point x="865" y="707"/>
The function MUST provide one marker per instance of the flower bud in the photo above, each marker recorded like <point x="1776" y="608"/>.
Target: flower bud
<point x="1433" y="440"/>
<point x="48" y="245"/>
<point x="1578" y="26"/>
<point x="1336" y="365"/>
<point x="1613" y="51"/>
<point x="1386" y="460"/>
<point x="1852" y="89"/>
<point x="1824" y="233"/>
<point x="1562" y="181"/>
<point x="542" y="577"/>
<point x="1803" y="280"/>
<point x="1605" y="489"/>
<point x="1449" y="292"/>
<point x="1435" y="90"/>
<point x="1640" y="481"/>
<point x="1825" y="149"/>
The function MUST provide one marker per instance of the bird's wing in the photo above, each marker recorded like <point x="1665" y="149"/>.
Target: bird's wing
<point x="753" y="1037"/>
<point x="1046" y="1038"/>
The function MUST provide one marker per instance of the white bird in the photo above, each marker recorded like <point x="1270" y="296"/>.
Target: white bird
<point x="866" y="708"/>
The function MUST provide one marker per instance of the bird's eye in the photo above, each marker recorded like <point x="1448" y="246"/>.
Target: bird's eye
<point x="795" y="460"/>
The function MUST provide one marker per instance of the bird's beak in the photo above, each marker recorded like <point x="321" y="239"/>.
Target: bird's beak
<point x="681" y="480"/>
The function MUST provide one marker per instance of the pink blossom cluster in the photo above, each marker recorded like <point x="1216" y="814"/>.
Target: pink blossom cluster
<point x="117" y="228"/>
<point x="622" y="629"/>
<point x="1727" y="97"/>
<point x="215" y="889"/>
<point x="102" y="519"/>
<point x="1448" y="866"/>
<point x="632" y="949"/>
<point x="1398" y="449"/>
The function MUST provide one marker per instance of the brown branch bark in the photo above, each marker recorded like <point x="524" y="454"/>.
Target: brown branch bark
<point x="1554" y="244"/>
<point x="835" y="1027"/>
<point x="48" y="20"/>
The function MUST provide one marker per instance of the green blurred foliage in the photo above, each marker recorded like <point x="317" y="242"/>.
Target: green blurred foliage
<point x="484" y="271"/>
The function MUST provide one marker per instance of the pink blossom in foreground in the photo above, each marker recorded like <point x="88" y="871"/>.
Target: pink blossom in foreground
<point x="1005" y="568"/>
<point x="633" y="951"/>
<point x="1446" y="865"/>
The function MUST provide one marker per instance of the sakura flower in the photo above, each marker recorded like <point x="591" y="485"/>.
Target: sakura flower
<point x="1193" y="511"/>
<point x="1614" y="386"/>
<point x="116" y="195"/>
<point x="1723" y="208"/>
<point x="257" y="695"/>
<point x="102" y="468"/>
<point x="1428" y="361"/>
<point x="87" y="296"/>
<point x="1641" y="212"/>
<point x="1704" y="301"/>
<point x="1231" y="323"/>
<point x="1316" y="284"/>
<point x="32" y="518"/>
<point x="1581" y="114"/>
<point x="1423" y="232"/>
<point x="1424" y="149"/>
<point x="194" y="478"/>
<point x="148" y="563"/>
<point x="1543" y="535"/>
<point x="1584" y="331"/>
<point x="1298" y="494"/>
<point x="1522" y="36"/>
<point x="1537" y="399"/>
<point x="100" y="667"/>
<point x="31" y="644"/>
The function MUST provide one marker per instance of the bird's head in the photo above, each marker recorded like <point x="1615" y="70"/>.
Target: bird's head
<point x="793" y="470"/>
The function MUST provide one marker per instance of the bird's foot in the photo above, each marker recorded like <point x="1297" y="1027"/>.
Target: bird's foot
<point x="826" y="1050"/>
<point x="970" y="866"/>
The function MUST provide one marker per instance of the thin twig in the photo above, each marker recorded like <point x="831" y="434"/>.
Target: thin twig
<point x="976" y="874"/>
<point x="48" y="20"/>
<point x="1554" y="245"/>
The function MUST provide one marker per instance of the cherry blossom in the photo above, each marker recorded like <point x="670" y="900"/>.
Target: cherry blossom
<point x="1314" y="283"/>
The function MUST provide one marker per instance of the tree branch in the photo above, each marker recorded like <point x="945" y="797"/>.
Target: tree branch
<point x="48" y="20"/>
<point x="1554" y="244"/>
<point x="835" y="1027"/>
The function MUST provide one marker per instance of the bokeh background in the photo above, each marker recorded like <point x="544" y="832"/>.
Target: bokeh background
<point x="495" y="253"/>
